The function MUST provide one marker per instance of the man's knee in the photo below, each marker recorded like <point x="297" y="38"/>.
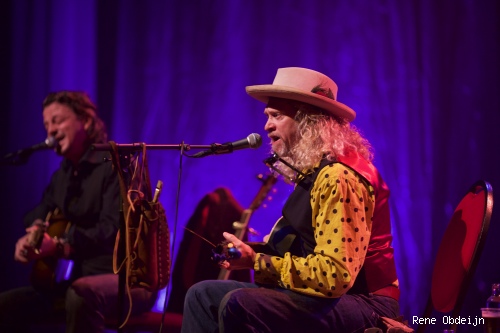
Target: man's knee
<point x="236" y="302"/>
<point x="81" y="287"/>
<point x="199" y="289"/>
<point x="82" y="291"/>
<point x="73" y="300"/>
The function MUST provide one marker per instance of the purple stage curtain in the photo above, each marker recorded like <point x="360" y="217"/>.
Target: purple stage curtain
<point x="423" y="76"/>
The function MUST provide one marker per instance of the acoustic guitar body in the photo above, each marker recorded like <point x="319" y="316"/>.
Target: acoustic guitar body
<point x="44" y="275"/>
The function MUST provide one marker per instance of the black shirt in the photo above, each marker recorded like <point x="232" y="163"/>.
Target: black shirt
<point x="88" y="197"/>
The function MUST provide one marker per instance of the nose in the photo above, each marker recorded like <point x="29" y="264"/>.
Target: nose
<point x="51" y="130"/>
<point x="269" y="126"/>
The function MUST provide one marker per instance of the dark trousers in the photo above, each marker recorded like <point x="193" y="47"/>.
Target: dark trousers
<point x="231" y="306"/>
<point x="83" y="306"/>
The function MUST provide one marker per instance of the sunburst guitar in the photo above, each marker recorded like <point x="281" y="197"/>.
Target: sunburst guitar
<point x="241" y="226"/>
<point x="46" y="271"/>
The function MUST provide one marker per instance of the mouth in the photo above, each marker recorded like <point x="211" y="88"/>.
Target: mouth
<point x="274" y="138"/>
<point x="57" y="145"/>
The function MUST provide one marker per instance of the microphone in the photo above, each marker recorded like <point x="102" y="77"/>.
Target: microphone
<point x="22" y="155"/>
<point x="253" y="141"/>
<point x="50" y="142"/>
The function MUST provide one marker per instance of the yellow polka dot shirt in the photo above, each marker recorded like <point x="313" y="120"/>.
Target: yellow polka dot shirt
<point x="342" y="204"/>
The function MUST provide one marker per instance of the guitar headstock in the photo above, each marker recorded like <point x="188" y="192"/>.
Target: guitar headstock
<point x="268" y="182"/>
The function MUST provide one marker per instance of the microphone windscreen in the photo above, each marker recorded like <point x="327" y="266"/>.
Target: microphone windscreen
<point x="254" y="140"/>
<point x="51" y="142"/>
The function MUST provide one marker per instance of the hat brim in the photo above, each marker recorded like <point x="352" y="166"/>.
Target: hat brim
<point x="264" y="91"/>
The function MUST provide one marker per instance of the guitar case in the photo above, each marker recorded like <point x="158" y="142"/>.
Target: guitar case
<point x="213" y="215"/>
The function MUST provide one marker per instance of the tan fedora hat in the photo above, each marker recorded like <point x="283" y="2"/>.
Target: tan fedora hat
<point x="303" y="85"/>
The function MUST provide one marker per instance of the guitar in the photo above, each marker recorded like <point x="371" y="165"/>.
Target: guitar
<point x="48" y="271"/>
<point x="241" y="226"/>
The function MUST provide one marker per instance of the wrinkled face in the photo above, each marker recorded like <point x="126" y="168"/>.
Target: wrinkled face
<point x="69" y="131"/>
<point x="281" y="127"/>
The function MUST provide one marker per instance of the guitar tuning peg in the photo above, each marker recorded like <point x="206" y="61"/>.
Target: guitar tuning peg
<point x="238" y="225"/>
<point x="253" y="231"/>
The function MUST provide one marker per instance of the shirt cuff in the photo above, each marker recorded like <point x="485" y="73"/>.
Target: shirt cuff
<point x="267" y="269"/>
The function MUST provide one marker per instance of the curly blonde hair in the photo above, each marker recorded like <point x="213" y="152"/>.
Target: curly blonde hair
<point x="321" y="136"/>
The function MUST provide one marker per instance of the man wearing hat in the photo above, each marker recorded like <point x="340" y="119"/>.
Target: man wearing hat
<point x="328" y="265"/>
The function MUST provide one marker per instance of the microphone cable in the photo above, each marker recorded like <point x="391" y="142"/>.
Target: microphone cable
<point x="172" y="252"/>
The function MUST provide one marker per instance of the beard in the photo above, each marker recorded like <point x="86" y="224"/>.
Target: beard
<point x="283" y="149"/>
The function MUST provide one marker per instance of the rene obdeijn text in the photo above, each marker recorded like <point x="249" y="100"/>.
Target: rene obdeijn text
<point x="448" y="320"/>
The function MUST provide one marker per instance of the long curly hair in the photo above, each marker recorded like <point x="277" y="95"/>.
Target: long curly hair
<point x="84" y="108"/>
<point x="321" y="135"/>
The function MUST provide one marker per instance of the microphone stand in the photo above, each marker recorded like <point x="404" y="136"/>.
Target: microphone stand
<point x="22" y="155"/>
<point x="132" y="147"/>
<point x="214" y="149"/>
<point x="124" y="150"/>
<point x="19" y="157"/>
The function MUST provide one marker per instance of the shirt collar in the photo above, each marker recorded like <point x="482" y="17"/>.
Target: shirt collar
<point x="91" y="157"/>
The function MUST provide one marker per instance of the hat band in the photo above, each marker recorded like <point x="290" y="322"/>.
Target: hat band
<point x="323" y="92"/>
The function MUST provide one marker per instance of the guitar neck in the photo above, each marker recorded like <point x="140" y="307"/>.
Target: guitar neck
<point x="240" y="230"/>
<point x="242" y="226"/>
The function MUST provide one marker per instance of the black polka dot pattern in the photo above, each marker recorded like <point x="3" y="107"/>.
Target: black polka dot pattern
<point x="342" y="207"/>
<point x="346" y="204"/>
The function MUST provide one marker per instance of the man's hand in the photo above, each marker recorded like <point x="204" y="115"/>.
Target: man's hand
<point x="247" y="259"/>
<point x="25" y="252"/>
<point x="22" y="249"/>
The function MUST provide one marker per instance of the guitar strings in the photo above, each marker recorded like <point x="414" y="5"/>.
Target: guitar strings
<point x="206" y="240"/>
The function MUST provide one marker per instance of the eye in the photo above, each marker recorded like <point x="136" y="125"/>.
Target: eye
<point x="57" y="120"/>
<point x="275" y="114"/>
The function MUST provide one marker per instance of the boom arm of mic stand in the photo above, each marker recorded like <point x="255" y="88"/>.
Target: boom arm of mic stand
<point x="19" y="157"/>
<point x="131" y="147"/>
